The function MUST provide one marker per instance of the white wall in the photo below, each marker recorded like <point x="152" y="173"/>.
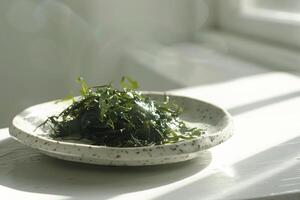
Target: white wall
<point x="46" y="44"/>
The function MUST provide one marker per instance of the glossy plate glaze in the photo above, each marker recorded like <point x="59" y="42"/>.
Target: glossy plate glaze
<point x="216" y="121"/>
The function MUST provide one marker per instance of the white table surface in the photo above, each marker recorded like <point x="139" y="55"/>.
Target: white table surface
<point x="261" y="160"/>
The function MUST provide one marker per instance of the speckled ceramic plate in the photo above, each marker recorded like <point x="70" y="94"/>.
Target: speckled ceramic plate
<point x="216" y="121"/>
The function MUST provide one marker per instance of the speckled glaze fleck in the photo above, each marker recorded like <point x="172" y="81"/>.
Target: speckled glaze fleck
<point x="217" y="122"/>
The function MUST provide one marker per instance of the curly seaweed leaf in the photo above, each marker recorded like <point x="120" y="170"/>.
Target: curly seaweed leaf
<point x="120" y="118"/>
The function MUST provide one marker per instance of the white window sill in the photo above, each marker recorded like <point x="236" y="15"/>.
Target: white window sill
<point x="265" y="54"/>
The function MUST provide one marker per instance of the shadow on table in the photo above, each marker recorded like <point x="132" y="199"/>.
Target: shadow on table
<point x="24" y="169"/>
<point x="294" y="196"/>
<point x="275" y="169"/>
<point x="265" y="102"/>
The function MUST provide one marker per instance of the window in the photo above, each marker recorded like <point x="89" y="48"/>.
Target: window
<point x="272" y="20"/>
<point x="287" y="11"/>
<point x="287" y="6"/>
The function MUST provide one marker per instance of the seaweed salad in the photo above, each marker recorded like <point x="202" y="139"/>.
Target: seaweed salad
<point x="123" y="117"/>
